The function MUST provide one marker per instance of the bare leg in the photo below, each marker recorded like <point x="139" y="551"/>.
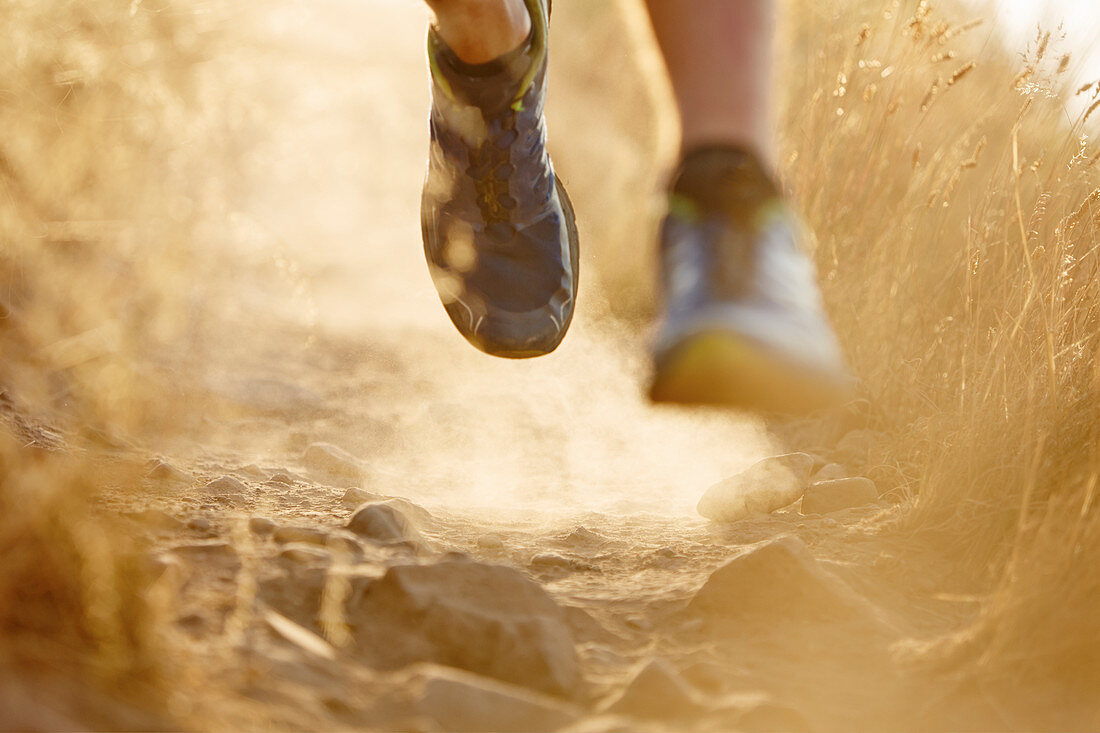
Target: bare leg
<point x="479" y="31"/>
<point x="719" y="58"/>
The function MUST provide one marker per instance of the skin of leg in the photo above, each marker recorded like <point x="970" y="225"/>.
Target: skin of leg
<point x="719" y="58"/>
<point x="479" y="31"/>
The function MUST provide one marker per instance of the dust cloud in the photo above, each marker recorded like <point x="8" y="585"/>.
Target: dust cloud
<point x="331" y="125"/>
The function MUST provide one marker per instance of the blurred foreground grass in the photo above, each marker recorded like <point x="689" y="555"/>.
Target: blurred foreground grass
<point x="96" y="214"/>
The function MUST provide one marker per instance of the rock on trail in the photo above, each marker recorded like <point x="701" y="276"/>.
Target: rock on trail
<point x="384" y="522"/>
<point x="658" y="691"/>
<point x="763" y="487"/>
<point x="830" y="472"/>
<point x="159" y="470"/>
<point x="490" y="541"/>
<point x="778" y="579"/>
<point x="355" y="496"/>
<point x="331" y="462"/>
<point x="488" y="619"/>
<point x="227" y="488"/>
<point x="199" y="524"/>
<point x="553" y="563"/>
<point x="261" y="525"/>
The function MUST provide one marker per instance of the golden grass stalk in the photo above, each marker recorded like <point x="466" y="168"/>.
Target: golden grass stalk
<point x="975" y="323"/>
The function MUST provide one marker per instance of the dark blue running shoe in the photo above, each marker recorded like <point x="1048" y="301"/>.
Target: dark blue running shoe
<point x="499" y="232"/>
<point x="743" y="322"/>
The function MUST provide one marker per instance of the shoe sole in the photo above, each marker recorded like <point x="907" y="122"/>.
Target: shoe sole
<point x="722" y="369"/>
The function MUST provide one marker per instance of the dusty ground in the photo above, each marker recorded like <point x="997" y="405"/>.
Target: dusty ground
<point x="552" y="511"/>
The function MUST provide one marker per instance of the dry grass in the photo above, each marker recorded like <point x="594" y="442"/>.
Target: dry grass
<point x="954" y="196"/>
<point x="94" y="227"/>
<point x="957" y="208"/>
<point x="80" y="621"/>
<point x="99" y="202"/>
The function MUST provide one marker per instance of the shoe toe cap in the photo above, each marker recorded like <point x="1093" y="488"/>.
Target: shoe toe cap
<point x="516" y="335"/>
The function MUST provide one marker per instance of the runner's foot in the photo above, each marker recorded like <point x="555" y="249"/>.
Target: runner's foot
<point x="498" y="227"/>
<point x="743" y="323"/>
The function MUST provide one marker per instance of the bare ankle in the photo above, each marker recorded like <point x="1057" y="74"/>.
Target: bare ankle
<point x="479" y="31"/>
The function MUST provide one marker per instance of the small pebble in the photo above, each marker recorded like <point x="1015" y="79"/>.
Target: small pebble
<point x="160" y="471"/>
<point x="584" y="536"/>
<point x="383" y="523"/>
<point x="332" y="461"/>
<point x="356" y="496"/>
<point x="253" y="471"/>
<point x="769" y="484"/>
<point x="157" y="519"/>
<point x="829" y="472"/>
<point x="829" y="496"/>
<point x="226" y="485"/>
<point x="490" y="542"/>
<point x="261" y="525"/>
<point x="199" y="524"/>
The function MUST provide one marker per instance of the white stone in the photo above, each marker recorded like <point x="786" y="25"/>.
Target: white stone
<point x="765" y="486"/>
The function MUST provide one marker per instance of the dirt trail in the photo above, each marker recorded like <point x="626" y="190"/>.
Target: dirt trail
<point x="334" y="381"/>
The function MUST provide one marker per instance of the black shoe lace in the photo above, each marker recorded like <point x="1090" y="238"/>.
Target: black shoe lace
<point x="491" y="168"/>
